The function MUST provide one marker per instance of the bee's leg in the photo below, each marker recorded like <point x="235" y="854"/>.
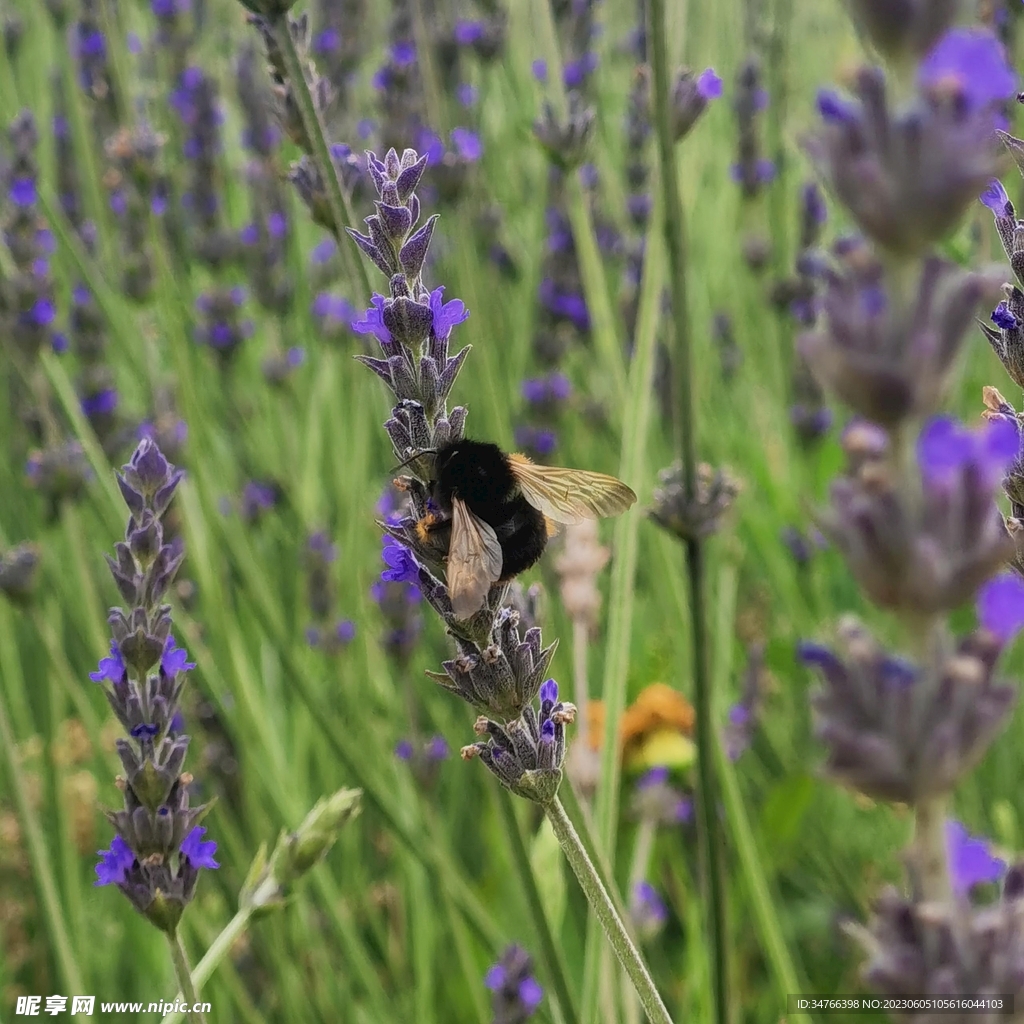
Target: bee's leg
<point x="428" y="524"/>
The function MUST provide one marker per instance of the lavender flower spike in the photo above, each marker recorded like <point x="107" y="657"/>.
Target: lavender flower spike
<point x="158" y="850"/>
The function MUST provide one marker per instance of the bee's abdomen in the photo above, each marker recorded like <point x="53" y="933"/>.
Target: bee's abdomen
<point x="522" y="535"/>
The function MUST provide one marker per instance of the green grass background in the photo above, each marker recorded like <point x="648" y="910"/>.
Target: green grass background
<point x="420" y="893"/>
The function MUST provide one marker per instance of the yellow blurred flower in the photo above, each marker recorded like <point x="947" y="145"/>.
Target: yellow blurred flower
<point x="654" y="730"/>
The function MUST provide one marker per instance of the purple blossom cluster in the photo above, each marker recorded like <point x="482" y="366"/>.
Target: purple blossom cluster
<point x="914" y="511"/>
<point x="158" y="848"/>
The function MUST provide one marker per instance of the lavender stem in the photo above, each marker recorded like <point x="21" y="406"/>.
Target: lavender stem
<point x="600" y="902"/>
<point x="684" y="429"/>
<point x="184" y="975"/>
<point x="929" y="850"/>
<point x="341" y="209"/>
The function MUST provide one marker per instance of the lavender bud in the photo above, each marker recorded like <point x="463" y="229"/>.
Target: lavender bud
<point x="690" y="97"/>
<point x="298" y="851"/>
<point x="647" y="910"/>
<point x="656" y="801"/>
<point x="952" y="948"/>
<point x="18" y="572"/>
<point x="502" y="674"/>
<point x="566" y="142"/>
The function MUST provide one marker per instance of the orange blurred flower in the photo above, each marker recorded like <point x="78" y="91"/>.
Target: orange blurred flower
<point x="654" y="729"/>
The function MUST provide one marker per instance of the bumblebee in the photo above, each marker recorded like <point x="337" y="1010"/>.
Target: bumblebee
<point x="502" y="509"/>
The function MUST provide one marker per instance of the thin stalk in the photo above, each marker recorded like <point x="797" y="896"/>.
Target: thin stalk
<point x="221" y="946"/>
<point x="341" y="208"/>
<point x="929" y="850"/>
<point x="621" y="592"/>
<point x="550" y="951"/>
<point x="184" y="975"/>
<point x="597" y="896"/>
<point x="686" y="442"/>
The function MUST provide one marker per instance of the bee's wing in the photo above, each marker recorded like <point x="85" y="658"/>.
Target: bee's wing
<point x="474" y="560"/>
<point x="570" y="495"/>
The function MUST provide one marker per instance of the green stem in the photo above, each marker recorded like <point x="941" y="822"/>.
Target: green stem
<point x="184" y="975"/>
<point x="686" y="442"/>
<point x="597" y="896"/>
<point x="552" y="955"/>
<point x="341" y="209"/>
<point x="621" y="591"/>
<point x="221" y="946"/>
<point x="929" y="850"/>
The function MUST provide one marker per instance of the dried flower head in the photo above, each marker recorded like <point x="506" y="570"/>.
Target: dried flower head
<point x="701" y="516"/>
<point x="582" y="558"/>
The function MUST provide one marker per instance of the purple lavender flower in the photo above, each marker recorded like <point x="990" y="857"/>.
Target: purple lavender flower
<point x="657" y="801"/>
<point x="402" y="566"/>
<point x="1003" y="318"/>
<point x="866" y="355"/>
<point x="540" y="69"/>
<point x="525" y="753"/>
<point x="745" y="714"/>
<point x="516" y="992"/>
<point x="896" y="732"/>
<point x="115" y="863"/>
<point x="467" y="144"/>
<point x="199" y="852"/>
<point x="971" y="61"/>
<point x="690" y="97"/>
<point x="647" y="910"/>
<point x="468" y="32"/>
<point x="970" y="861"/>
<point x="996" y="199"/>
<point x="908" y="176"/>
<point x="1001" y="607"/>
<point x="158" y="849"/>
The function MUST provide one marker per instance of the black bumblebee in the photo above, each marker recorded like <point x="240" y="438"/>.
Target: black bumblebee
<point x="501" y="510"/>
